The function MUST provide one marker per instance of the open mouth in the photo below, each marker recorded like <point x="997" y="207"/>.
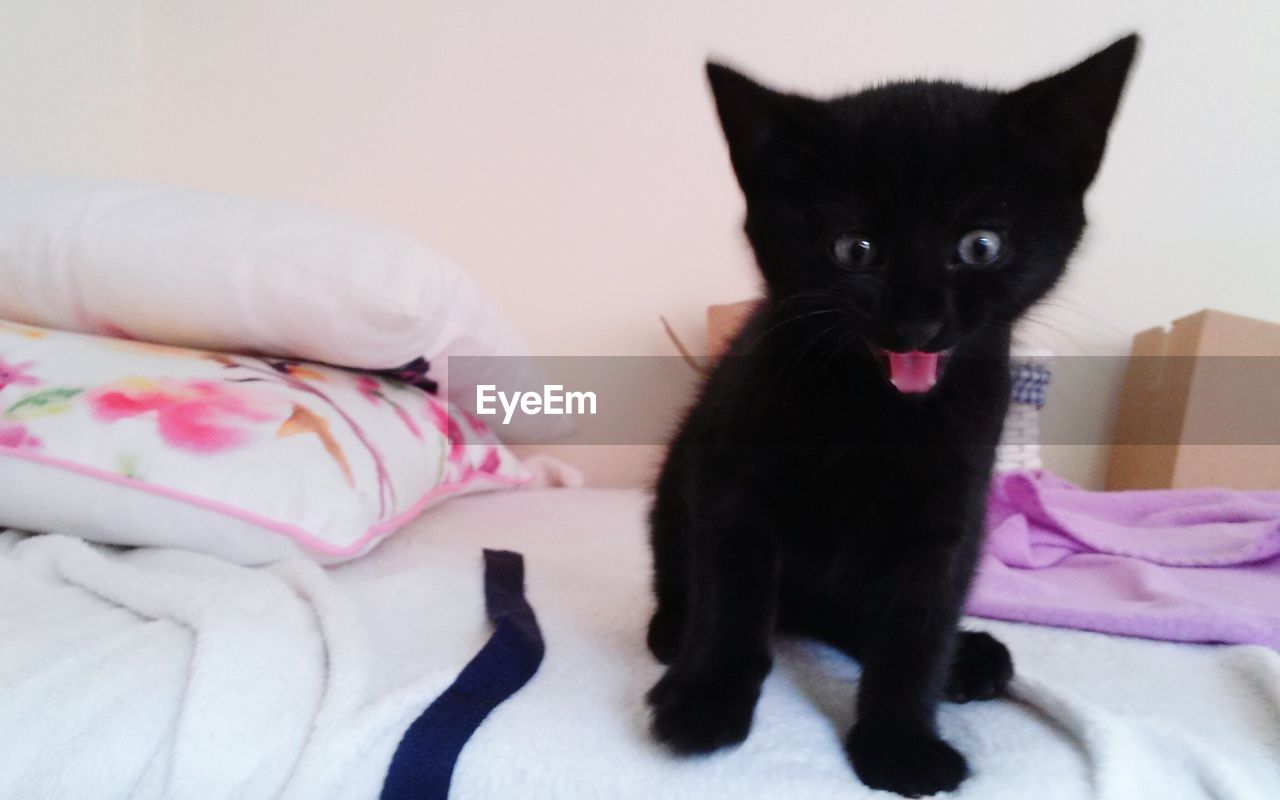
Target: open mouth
<point x="915" y="372"/>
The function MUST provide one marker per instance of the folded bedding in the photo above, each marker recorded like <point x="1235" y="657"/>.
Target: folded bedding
<point x="1184" y="565"/>
<point x="162" y="673"/>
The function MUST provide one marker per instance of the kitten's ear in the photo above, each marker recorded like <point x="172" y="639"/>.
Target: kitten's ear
<point x="749" y="113"/>
<point x="1071" y="112"/>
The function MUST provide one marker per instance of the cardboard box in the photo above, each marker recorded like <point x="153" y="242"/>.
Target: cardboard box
<point x="724" y="322"/>
<point x="1200" y="406"/>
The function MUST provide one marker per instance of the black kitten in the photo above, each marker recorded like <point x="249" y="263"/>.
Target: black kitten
<point x="831" y="479"/>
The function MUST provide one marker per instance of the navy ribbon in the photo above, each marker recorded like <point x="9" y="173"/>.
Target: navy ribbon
<point x="422" y="766"/>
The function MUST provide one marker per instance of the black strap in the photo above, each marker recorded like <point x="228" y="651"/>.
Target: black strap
<point x="422" y="766"/>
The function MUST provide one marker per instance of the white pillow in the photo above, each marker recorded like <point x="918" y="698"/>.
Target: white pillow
<point x="246" y="458"/>
<point x="224" y="273"/>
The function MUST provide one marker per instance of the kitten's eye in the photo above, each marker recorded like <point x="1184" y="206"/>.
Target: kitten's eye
<point x="853" y="251"/>
<point x="980" y="248"/>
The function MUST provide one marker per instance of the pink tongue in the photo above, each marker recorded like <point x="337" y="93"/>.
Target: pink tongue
<point x="914" y="372"/>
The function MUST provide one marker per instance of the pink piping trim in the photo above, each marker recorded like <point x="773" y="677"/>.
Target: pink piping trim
<point x="292" y="531"/>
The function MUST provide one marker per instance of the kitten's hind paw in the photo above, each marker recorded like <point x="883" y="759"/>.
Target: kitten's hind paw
<point x="980" y="670"/>
<point x="701" y="713"/>
<point x="912" y="765"/>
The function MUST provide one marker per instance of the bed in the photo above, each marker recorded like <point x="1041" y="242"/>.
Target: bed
<point x="154" y="673"/>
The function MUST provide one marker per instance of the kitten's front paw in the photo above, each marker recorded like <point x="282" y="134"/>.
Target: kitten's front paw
<point x="664" y="636"/>
<point x="702" y="712"/>
<point x="981" y="669"/>
<point x="912" y="765"/>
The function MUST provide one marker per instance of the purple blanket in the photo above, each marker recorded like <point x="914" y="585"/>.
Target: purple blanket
<point x="1184" y="565"/>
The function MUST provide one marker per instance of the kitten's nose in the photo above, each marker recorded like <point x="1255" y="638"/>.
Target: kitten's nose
<point x="914" y="334"/>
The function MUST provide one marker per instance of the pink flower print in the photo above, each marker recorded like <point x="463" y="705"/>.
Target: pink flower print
<point x="16" y="437"/>
<point x="448" y="426"/>
<point x="491" y="464"/>
<point x="369" y="388"/>
<point x="492" y="461"/>
<point x="408" y="421"/>
<point x="294" y="369"/>
<point x="481" y="430"/>
<point x="477" y="427"/>
<point x="200" y="416"/>
<point x="16" y="374"/>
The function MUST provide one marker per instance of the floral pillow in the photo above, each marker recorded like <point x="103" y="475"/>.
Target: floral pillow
<point x="248" y="458"/>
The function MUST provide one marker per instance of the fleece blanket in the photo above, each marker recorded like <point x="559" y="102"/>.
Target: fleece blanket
<point x="157" y="673"/>
<point x="1185" y="565"/>
<point x="162" y="673"/>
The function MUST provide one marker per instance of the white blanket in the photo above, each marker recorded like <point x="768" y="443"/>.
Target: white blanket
<point x="167" y="674"/>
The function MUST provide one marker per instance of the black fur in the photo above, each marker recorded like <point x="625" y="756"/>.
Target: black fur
<point x="803" y="492"/>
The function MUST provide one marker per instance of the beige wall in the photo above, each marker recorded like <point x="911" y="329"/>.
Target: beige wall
<point x="567" y="154"/>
